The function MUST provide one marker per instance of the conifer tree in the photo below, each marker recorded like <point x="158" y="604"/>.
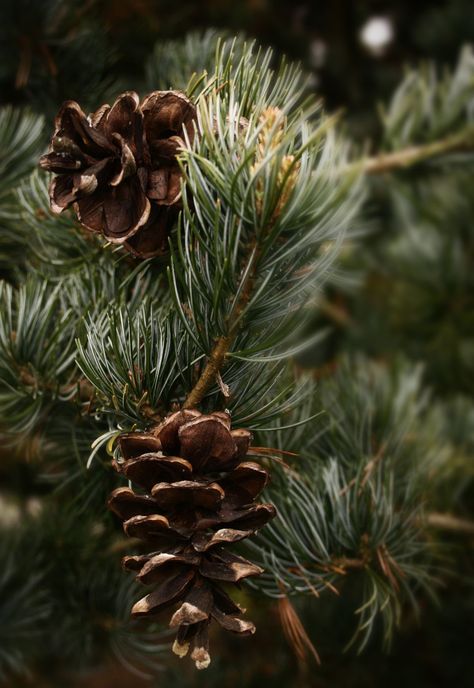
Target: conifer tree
<point x="167" y="275"/>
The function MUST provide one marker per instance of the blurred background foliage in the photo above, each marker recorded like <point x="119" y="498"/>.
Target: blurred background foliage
<point x="58" y="49"/>
<point x="402" y="289"/>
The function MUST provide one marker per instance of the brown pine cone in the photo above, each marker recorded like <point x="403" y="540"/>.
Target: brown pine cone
<point x="118" y="167"/>
<point x="198" y="497"/>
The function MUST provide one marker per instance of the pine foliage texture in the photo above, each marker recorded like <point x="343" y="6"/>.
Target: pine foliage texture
<point x="341" y="285"/>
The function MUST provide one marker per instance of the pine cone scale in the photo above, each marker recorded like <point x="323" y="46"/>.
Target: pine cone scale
<point x="135" y="444"/>
<point x="231" y="571"/>
<point x="168" y="592"/>
<point x="207" y="444"/>
<point x="204" y="541"/>
<point x="197" y="606"/>
<point x="126" y="503"/>
<point x="245" y="482"/>
<point x="152" y="569"/>
<point x="152" y="239"/>
<point x="196" y="493"/>
<point x="120" y="118"/>
<point x="151" y="469"/>
<point x="233" y="623"/>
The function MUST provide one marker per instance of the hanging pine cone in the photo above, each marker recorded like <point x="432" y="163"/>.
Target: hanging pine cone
<point x="118" y="167"/>
<point x="199" y="497"/>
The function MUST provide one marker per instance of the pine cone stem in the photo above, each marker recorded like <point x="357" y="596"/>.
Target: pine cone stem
<point x="208" y="375"/>
<point x="218" y="354"/>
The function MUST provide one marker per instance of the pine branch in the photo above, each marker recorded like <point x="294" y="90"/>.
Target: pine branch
<point x="428" y="117"/>
<point x="451" y="523"/>
<point x="208" y="375"/>
<point x="342" y="513"/>
<point x="250" y="245"/>
<point x="408" y="157"/>
<point x="430" y="104"/>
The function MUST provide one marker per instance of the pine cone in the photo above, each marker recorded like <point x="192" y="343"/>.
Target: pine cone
<point x="118" y="167"/>
<point x="199" y="497"/>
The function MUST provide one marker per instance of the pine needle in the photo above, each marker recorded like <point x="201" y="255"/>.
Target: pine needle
<point x="295" y="632"/>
